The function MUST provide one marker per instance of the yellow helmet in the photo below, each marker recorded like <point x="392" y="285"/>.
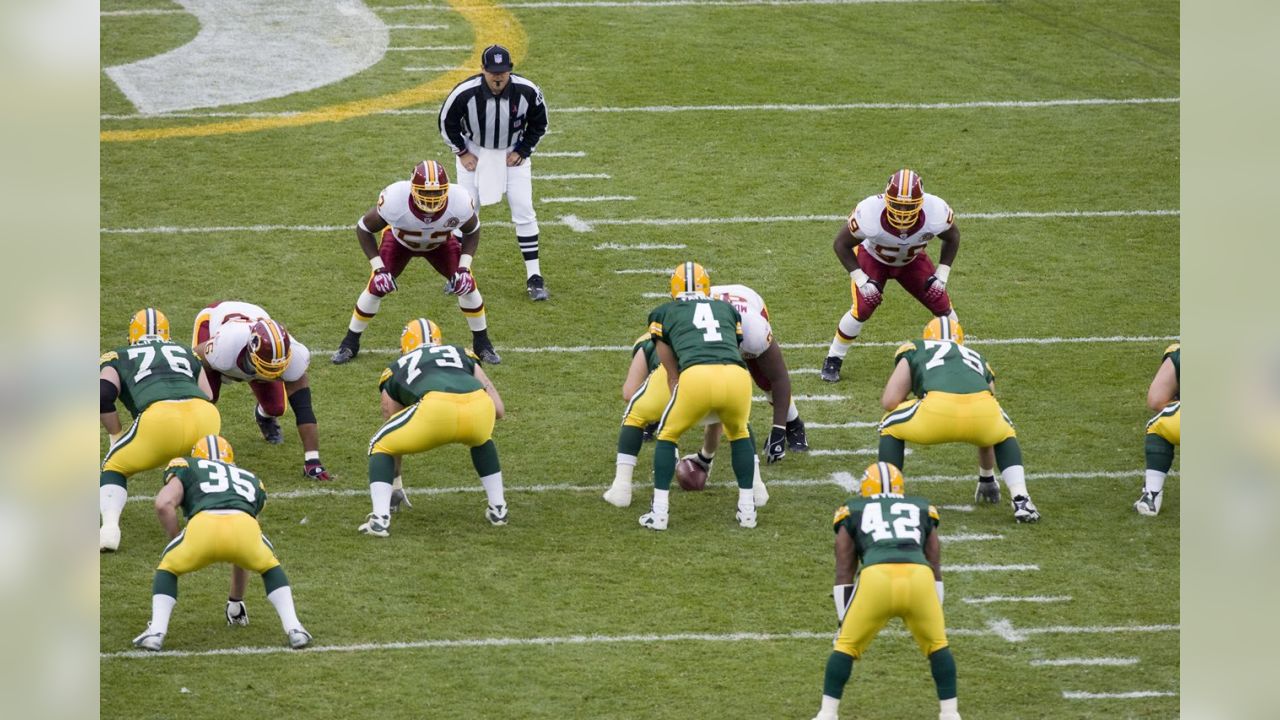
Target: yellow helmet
<point x="943" y="328"/>
<point x="214" y="447"/>
<point x="690" y="279"/>
<point x="881" y="477"/>
<point x="418" y="333"/>
<point x="148" y="323"/>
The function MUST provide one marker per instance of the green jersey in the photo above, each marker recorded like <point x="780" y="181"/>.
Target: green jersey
<point x="152" y="371"/>
<point x="944" y="366"/>
<point x="888" y="528"/>
<point x="1174" y="353"/>
<point x="702" y="331"/>
<point x="430" y="368"/>
<point x="646" y="344"/>
<point x="215" y="485"/>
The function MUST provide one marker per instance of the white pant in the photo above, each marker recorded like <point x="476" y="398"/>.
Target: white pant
<point x="492" y="179"/>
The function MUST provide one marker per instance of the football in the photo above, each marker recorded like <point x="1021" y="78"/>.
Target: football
<point x="690" y="475"/>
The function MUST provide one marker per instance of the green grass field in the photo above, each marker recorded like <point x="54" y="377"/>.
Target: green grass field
<point x="573" y="610"/>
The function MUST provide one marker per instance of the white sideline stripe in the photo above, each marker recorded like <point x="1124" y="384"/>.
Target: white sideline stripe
<point x="969" y="537"/>
<point x="574" y="176"/>
<point x="824" y="426"/>
<point x="593" y="198"/>
<point x="417" y="27"/>
<point x="562" y="153"/>
<point x="1016" y="598"/>
<point x="432" y="68"/>
<point x="842" y="479"/>
<point x="1136" y="694"/>
<point x="1102" y="661"/>
<point x="641" y="246"/>
<point x="578" y="224"/>
<point x="992" y="568"/>
<point x="977" y="104"/>
<point x="586" y="640"/>
<point x="430" y="48"/>
<point x="808" y="398"/>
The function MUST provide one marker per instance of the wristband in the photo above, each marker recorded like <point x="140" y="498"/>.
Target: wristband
<point x="464" y="262"/>
<point x="942" y="272"/>
<point x="376" y="262"/>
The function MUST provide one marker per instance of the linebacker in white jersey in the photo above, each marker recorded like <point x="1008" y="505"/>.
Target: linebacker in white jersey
<point x="885" y="238"/>
<point x="238" y="341"/>
<point x="424" y="217"/>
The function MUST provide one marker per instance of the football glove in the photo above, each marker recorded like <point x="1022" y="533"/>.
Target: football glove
<point x="867" y="288"/>
<point x="700" y="460"/>
<point x="314" y="470"/>
<point x="934" y="289"/>
<point x="237" y="613"/>
<point x="776" y="449"/>
<point x="461" y="283"/>
<point x="382" y="282"/>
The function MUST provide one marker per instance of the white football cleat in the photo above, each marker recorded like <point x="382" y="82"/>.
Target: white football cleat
<point x="108" y="538"/>
<point x="618" y="494"/>
<point x="496" y="515"/>
<point x="1149" y="503"/>
<point x="376" y="526"/>
<point x="1024" y="511"/>
<point x="237" y="613"/>
<point x="825" y="716"/>
<point x="949" y="716"/>
<point x="298" y="638"/>
<point x="654" y="520"/>
<point x="759" y="493"/>
<point x="149" y="640"/>
<point x="746" y="517"/>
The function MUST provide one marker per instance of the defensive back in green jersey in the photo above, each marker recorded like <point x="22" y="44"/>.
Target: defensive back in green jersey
<point x="702" y="331"/>
<point x="152" y="371"/>
<point x="888" y="528"/>
<point x="215" y="485"/>
<point x="430" y="368"/>
<point x="944" y="366"/>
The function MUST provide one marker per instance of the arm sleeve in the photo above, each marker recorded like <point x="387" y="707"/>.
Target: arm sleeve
<point x="107" y="394"/>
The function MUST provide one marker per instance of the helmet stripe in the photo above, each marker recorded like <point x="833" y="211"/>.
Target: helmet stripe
<point x="212" y="442"/>
<point x="151" y="321"/>
<point x="885" y="484"/>
<point x="689" y="282"/>
<point x="277" y="341"/>
<point x="424" y="331"/>
<point x="944" y="323"/>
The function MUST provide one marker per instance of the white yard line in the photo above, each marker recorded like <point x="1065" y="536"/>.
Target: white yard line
<point x="1017" y="567"/>
<point x="640" y="4"/>
<point x="430" y="48"/>
<point x="968" y="537"/>
<point x="1088" y="662"/>
<point x="1135" y="695"/>
<point x="579" y="640"/>
<point x="592" y="198"/>
<point x="143" y="11"/>
<point x="642" y="246"/>
<point x="845" y="453"/>
<point x="952" y="508"/>
<point x="573" y="223"/>
<point x="574" y="176"/>
<point x="773" y="107"/>
<point x="643" y="271"/>
<point x="417" y="27"/>
<point x="560" y="154"/>
<point x="808" y="398"/>
<point x="1015" y="599"/>
<point x="833" y="426"/>
<point x="432" y="68"/>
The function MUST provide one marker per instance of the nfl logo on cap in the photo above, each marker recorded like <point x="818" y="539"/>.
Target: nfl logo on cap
<point x="496" y="59"/>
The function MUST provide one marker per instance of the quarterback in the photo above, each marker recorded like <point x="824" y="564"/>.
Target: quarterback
<point x="238" y="341"/>
<point x="884" y="239"/>
<point x="432" y="395"/>
<point x="164" y="387"/>
<point x="888" y="565"/>
<point x="424" y="217"/>
<point x="1164" y="431"/>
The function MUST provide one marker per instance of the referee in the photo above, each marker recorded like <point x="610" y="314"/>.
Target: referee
<point x="492" y="121"/>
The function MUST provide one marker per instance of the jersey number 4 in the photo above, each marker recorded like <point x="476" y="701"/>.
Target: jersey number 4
<point x="702" y="318"/>
<point x="906" y="526"/>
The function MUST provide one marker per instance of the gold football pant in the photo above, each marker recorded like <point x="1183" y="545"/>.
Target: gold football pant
<point x="941" y="417"/>
<point x="439" y="418"/>
<point x="889" y="590"/>
<point x="165" y="430"/>
<point x="219" y="536"/>
<point x="650" y="400"/>
<point x="702" y="389"/>
<point x="1168" y="424"/>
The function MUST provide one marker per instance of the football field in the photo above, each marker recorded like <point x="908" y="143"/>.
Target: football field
<point x="740" y="134"/>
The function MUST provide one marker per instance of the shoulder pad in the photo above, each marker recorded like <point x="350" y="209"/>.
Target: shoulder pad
<point x="175" y="464"/>
<point x="655" y="329"/>
<point x="842" y="512"/>
<point x="903" y="348"/>
<point x="641" y="340"/>
<point x="470" y="353"/>
<point x="1173" y="348"/>
<point x="933" y="515"/>
<point x="393" y="203"/>
<point x="108" y="356"/>
<point x="938" y="213"/>
<point x="386" y="375"/>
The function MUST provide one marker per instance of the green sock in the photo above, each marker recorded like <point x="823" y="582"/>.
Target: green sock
<point x="664" y="464"/>
<point x="839" y="668"/>
<point x="630" y="440"/>
<point x="165" y="583"/>
<point x="943" y="667"/>
<point x="274" y="579"/>
<point x="382" y="468"/>
<point x="485" y="459"/>
<point x="1008" y="453"/>
<point x="1159" y="453"/>
<point x="744" y="461"/>
<point x="111" y="477"/>
<point x="892" y="450"/>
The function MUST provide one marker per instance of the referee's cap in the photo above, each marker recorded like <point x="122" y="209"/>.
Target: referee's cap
<point x="496" y="59"/>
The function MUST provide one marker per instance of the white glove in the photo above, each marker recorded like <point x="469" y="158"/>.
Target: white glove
<point x="937" y="585"/>
<point x="867" y="287"/>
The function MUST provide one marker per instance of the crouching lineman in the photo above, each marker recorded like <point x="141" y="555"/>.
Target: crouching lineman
<point x="433" y="395"/>
<point x="888" y="565"/>
<point x="239" y="341"/>
<point x="165" y="389"/>
<point x="221" y="503"/>
<point x="697" y="342"/>
<point x="1164" y="431"/>
<point x="418" y="217"/>
<point x="955" y="391"/>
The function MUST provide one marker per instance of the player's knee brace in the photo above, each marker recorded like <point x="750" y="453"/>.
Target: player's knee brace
<point x="300" y="401"/>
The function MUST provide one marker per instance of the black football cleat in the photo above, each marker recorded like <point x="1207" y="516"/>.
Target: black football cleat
<point x="537" y="288"/>
<point x="348" y="349"/>
<point x="270" y="428"/>
<point x="483" y="348"/>
<point x="831" y="369"/>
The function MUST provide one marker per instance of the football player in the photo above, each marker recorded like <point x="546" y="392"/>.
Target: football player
<point x="697" y="343"/>
<point x="424" y="217"/>
<point x="885" y="239"/>
<point x="433" y="395"/>
<point x="165" y="389"/>
<point x="888" y="565"/>
<point x="221" y="503"/>
<point x="955" y="402"/>
<point x="1164" y="431"/>
<point x="239" y="341"/>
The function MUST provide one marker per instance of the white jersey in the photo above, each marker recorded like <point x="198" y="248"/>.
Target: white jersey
<point x="757" y="333"/>
<point x="869" y="223"/>
<point x="229" y="335"/>
<point x="414" y="229"/>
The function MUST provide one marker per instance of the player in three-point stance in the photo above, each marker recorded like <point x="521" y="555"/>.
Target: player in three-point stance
<point x="1164" y="431"/>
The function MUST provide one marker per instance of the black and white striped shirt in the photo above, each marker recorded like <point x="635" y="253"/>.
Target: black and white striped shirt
<point x="515" y="120"/>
